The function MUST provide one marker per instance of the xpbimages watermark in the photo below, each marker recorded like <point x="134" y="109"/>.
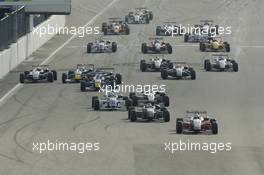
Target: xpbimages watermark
<point x="213" y="147"/>
<point x="197" y="30"/>
<point x="79" y="31"/>
<point x="50" y="146"/>
<point x="127" y="88"/>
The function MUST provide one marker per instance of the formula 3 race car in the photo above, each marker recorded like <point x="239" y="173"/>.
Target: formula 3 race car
<point x="38" y="73"/>
<point x="196" y="122"/>
<point x="141" y="15"/>
<point x="214" y="44"/>
<point x="157" y="46"/>
<point x="100" y="79"/>
<point x="115" y="26"/>
<point x="169" y="29"/>
<point x="101" y="46"/>
<point x="154" y="64"/>
<point x="110" y="101"/>
<point x="179" y="70"/>
<point x="77" y="74"/>
<point x="149" y="111"/>
<point x="201" y="32"/>
<point x="220" y="62"/>
<point x="156" y="98"/>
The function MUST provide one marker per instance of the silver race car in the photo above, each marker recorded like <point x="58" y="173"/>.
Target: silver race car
<point x="38" y="73"/>
<point x="156" y="46"/>
<point x="179" y="70"/>
<point x="220" y="62"/>
<point x="101" y="46"/>
<point x="149" y="111"/>
<point x="141" y="15"/>
<point x="154" y="64"/>
<point x="110" y="101"/>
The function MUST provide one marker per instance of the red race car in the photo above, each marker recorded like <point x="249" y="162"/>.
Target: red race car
<point x="196" y="122"/>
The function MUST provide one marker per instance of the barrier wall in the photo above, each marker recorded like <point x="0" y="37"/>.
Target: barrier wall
<point x="26" y="45"/>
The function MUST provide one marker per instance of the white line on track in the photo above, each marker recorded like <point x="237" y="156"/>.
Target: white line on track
<point x="18" y="86"/>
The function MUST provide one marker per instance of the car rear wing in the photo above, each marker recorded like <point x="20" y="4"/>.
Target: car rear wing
<point x="115" y="19"/>
<point x="40" y="65"/>
<point x="206" y="21"/>
<point x="141" y="8"/>
<point x="169" y="22"/>
<point x="156" y="38"/>
<point x="106" y="68"/>
<point x="196" y="112"/>
<point x="86" y="65"/>
<point x="220" y="54"/>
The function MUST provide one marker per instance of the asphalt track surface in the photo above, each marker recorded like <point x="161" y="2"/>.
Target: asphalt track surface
<point x="38" y="112"/>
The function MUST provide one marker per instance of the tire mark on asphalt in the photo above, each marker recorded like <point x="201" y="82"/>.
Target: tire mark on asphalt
<point x="75" y="127"/>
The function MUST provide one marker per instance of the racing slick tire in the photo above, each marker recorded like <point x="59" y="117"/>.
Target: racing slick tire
<point x="96" y="105"/>
<point x="82" y="86"/>
<point x="208" y="66"/>
<point x="205" y="63"/>
<point x="127" y="30"/>
<point x="158" y="29"/>
<point x="164" y="74"/>
<point x="214" y="127"/>
<point x="89" y="47"/>
<point x="227" y="47"/>
<point x="50" y="77"/>
<point x="114" y="46"/>
<point x="169" y="48"/>
<point x="93" y="101"/>
<point x="186" y="37"/>
<point x="193" y="74"/>
<point x="22" y="78"/>
<point x="235" y="66"/>
<point x="63" y="78"/>
<point x="133" y="116"/>
<point x="151" y="15"/>
<point x="129" y="112"/>
<point x="54" y="75"/>
<point x="166" y="100"/>
<point x="143" y="65"/>
<point x="131" y="94"/>
<point x="118" y="78"/>
<point x="147" y="20"/>
<point x="202" y="47"/>
<point x="128" y="103"/>
<point x="144" y="48"/>
<point x="166" y="115"/>
<point x="179" y="126"/>
<point x="134" y="100"/>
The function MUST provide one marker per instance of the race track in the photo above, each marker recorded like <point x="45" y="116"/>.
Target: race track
<point x="38" y="112"/>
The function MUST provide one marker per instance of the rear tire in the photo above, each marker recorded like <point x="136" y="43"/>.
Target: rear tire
<point x="96" y="105"/>
<point x="82" y="86"/>
<point x="235" y="66"/>
<point x="227" y="46"/>
<point x="208" y="66"/>
<point x="166" y="116"/>
<point x="186" y="37"/>
<point x="166" y="100"/>
<point x="179" y="126"/>
<point x="93" y="101"/>
<point x="143" y="65"/>
<point x="158" y="29"/>
<point x="63" y="78"/>
<point x="89" y="47"/>
<point x="22" y="78"/>
<point x="144" y="48"/>
<point x="214" y="127"/>
<point x="169" y="49"/>
<point x="114" y="47"/>
<point x="164" y="74"/>
<point x="118" y="78"/>
<point x="54" y="75"/>
<point x="133" y="116"/>
<point x="193" y="74"/>
<point x="50" y="77"/>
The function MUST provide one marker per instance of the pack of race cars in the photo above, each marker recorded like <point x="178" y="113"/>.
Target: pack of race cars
<point x="146" y="106"/>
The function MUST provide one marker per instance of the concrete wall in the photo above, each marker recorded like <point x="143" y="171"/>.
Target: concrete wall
<point x="26" y="45"/>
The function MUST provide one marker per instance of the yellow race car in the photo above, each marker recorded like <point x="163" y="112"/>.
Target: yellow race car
<point x="214" y="44"/>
